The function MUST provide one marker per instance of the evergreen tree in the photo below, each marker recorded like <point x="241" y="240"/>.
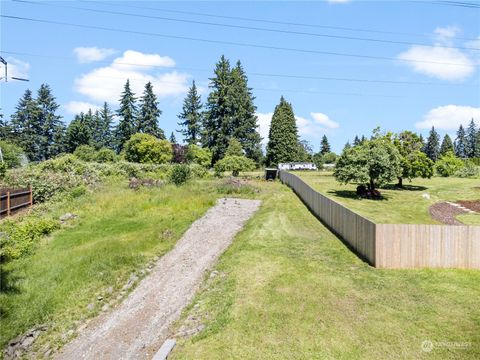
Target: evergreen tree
<point x="447" y="145"/>
<point x="283" y="138"/>
<point x="192" y="116"/>
<point x="218" y="117"/>
<point x="477" y="145"/>
<point x="104" y="131"/>
<point x="78" y="132"/>
<point x="347" y="146"/>
<point x="432" y="148"/>
<point x="325" y="145"/>
<point x="461" y="143"/>
<point x="147" y="121"/>
<point x="244" y="121"/>
<point x="173" y="140"/>
<point x="27" y="131"/>
<point x="356" y="141"/>
<point x="127" y="113"/>
<point x="471" y="140"/>
<point x="52" y="127"/>
<point x="5" y="128"/>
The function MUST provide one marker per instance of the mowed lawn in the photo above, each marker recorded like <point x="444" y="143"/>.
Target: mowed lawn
<point x="289" y="289"/>
<point x="406" y="206"/>
<point x="118" y="230"/>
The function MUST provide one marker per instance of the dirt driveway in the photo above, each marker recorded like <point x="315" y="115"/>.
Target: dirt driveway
<point x="137" y="328"/>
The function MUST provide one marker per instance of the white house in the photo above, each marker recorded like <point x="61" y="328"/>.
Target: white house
<point x="297" y="166"/>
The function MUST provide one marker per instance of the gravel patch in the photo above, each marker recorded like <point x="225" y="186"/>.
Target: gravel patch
<point x="473" y="205"/>
<point x="137" y="327"/>
<point x="445" y="212"/>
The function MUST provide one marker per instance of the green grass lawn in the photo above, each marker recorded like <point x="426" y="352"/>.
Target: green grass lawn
<point x="117" y="232"/>
<point x="399" y="206"/>
<point x="289" y="289"/>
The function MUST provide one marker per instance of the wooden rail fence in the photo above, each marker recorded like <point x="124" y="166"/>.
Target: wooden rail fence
<point x="12" y="200"/>
<point x="396" y="246"/>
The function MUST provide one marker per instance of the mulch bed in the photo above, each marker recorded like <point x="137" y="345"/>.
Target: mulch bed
<point x="446" y="213"/>
<point x="470" y="204"/>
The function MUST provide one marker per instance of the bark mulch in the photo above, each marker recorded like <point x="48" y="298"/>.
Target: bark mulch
<point x="470" y="204"/>
<point x="445" y="213"/>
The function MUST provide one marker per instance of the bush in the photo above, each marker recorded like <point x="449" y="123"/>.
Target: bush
<point x="18" y="239"/>
<point x="106" y="155"/>
<point x="329" y="158"/>
<point x="198" y="171"/>
<point x="145" y="148"/>
<point x="179" y="154"/>
<point x="235" y="164"/>
<point x="198" y="155"/>
<point x="3" y="170"/>
<point x="470" y="170"/>
<point x="448" y="164"/>
<point x="180" y="174"/>
<point x="12" y="154"/>
<point x="85" y="153"/>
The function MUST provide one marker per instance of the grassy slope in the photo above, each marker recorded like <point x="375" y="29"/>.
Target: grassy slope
<point x="118" y="231"/>
<point x="398" y="206"/>
<point x="292" y="290"/>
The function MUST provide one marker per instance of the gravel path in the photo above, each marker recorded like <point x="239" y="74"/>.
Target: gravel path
<point x="137" y="328"/>
<point x="446" y="212"/>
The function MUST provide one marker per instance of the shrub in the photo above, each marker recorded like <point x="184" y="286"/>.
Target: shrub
<point x="18" y="239"/>
<point x="234" y="148"/>
<point x="106" y="155"/>
<point x="329" y="158"/>
<point x="198" y="155"/>
<point x="3" y="170"/>
<point x="145" y="148"/>
<point x="180" y="174"/>
<point x="235" y="164"/>
<point x="198" y="171"/>
<point x="470" y="170"/>
<point x="85" y="153"/>
<point x="12" y="154"/>
<point x="179" y="154"/>
<point x="448" y="164"/>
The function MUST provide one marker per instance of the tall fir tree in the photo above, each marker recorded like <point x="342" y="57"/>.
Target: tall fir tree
<point x="26" y="128"/>
<point x="218" y="116"/>
<point x="477" y="146"/>
<point x="173" y="139"/>
<point x="147" y="121"/>
<point x="447" y="145"/>
<point x="325" y="145"/>
<point x="127" y="113"/>
<point x="471" y="140"/>
<point x="53" y="129"/>
<point x="283" y="136"/>
<point x="79" y="132"/>
<point x="5" y="128"/>
<point x="432" y="147"/>
<point x="105" y="123"/>
<point x="461" y="143"/>
<point x="356" y="141"/>
<point x="191" y="116"/>
<point x="244" y="120"/>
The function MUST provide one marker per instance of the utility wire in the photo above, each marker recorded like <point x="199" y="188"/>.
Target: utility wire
<point x="260" y="74"/>
<point x="263" y="21"/>
<point x="258" y="46"/>
<point x="232" y="26"/>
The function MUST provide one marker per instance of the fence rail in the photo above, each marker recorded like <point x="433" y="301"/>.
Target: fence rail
<point x="393" y="245"/>
<point x="12" y="200"/>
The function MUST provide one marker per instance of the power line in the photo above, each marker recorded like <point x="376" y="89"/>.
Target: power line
<point x="232" y="26"/>
<point x="261" y="74"/>
<point x="232" y="43"/>
<point x="268" y="21"/>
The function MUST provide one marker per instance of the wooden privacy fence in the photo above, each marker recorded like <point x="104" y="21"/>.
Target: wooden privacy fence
<point x="396" y="246"/>
<point x="12" y="200"/>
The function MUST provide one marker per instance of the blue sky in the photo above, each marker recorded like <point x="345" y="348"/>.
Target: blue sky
<point x="419" y="42"/>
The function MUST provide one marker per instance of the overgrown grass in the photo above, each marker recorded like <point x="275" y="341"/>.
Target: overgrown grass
<point x="289" y="289"/>
<point x="398" y="206"/>
<point x="118" y="230"/>
<point x="469" y="219"/>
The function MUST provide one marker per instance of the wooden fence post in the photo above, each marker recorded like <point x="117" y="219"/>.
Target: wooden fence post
<point x="8" y="203"/>
<point x="31" y="196"/>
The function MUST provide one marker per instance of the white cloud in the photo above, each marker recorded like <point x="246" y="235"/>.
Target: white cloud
<point x="91" y="54"/>
<point x="439" y="61"/>
<point x="76" y="107"/>
<point x="16" y="68"/>
<point x="306" y="127"/>
<point x="449" y="117"/>
<point x="106" y="83"/>
<point x="324" y="120"/>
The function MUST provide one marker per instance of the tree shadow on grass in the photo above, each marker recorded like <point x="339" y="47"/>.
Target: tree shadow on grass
<point x="352" y="194"/>
<point x="404" y="187"/>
